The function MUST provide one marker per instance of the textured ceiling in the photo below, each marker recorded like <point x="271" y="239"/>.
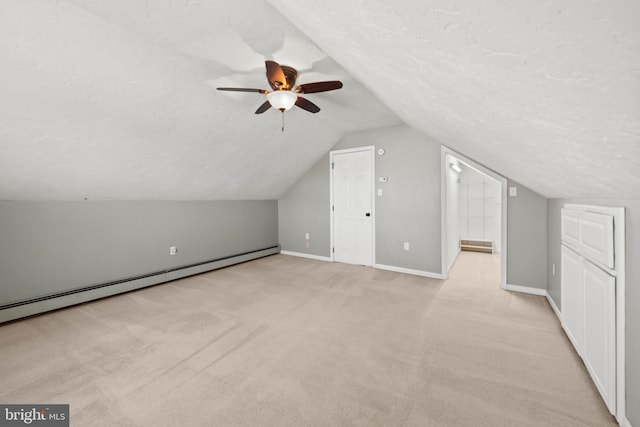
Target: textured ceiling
<point x="116" y="99"/>
<point x="544" y="92"/>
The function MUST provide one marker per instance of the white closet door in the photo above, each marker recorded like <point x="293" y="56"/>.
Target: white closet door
<point x="599" y="349"/>
<point x="572" y="297"/>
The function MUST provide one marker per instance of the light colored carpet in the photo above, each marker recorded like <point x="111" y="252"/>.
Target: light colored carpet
<point x="285" y="341"/>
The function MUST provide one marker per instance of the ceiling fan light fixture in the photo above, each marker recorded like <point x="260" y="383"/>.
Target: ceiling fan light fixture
<point x="283" y="100"/>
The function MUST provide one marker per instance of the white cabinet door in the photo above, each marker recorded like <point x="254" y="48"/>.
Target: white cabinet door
<point x="591" y="234"/>
<point x="588" y="295"/>
<point x="599" y="349"/>
<point x="570" y="227"/>
<point x="572" y="297"/>
<point x="596" y="237"/>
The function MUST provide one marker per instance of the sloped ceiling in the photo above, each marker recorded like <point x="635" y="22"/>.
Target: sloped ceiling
<point x="543" y="92"/>
<point x="116" y="99"/>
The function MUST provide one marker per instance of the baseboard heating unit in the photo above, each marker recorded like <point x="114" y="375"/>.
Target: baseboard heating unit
<point x="485" y="246"/>
<point x="41" y="304"/>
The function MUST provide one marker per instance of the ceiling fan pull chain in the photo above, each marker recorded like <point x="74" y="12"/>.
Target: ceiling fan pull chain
<point x="283" y="121"/>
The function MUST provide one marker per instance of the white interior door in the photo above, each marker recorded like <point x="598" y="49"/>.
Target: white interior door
<point x="352" y="183"/>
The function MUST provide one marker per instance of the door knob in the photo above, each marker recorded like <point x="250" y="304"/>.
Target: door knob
<point x="367" y="214"/>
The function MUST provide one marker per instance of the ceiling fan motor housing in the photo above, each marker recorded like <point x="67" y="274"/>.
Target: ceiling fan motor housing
<point x="291" y="75"/>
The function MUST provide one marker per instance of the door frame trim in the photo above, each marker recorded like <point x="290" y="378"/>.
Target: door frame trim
<point x="444" y="152"/>
<point x="372" y="150"/>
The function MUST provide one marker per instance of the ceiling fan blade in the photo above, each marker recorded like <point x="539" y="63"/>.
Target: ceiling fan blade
<point x="242" y="89"/>
<point x="275" y="75"/>
<point x="264" y="107"/>
<point x="319" y="87"/>
<point x="305" y="104"/>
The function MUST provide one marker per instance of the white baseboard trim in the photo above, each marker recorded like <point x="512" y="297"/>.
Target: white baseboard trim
<point x="526" y="289"/>
<point x="378" y="266"/>
<point x="453" y="260"/>
<point x="310" y="256"/>
<point x="554" y="306"/>
<point x="624" y="422"/>
<point x="410" y="271"/>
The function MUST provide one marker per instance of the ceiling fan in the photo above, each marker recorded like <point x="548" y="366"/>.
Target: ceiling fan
<point x="284" y="94"/>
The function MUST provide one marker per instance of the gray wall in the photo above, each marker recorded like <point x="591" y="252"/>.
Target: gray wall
<point x="304" y="208"/>
<point x="632" y="297"/>
<point x="49" y="247"/>
<point x="408" y="211"/>
<point x="553" y="249"/>
<point x="526" y="238"/>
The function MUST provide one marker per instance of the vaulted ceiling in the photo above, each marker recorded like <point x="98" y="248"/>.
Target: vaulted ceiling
<point x="116" y="99"/>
